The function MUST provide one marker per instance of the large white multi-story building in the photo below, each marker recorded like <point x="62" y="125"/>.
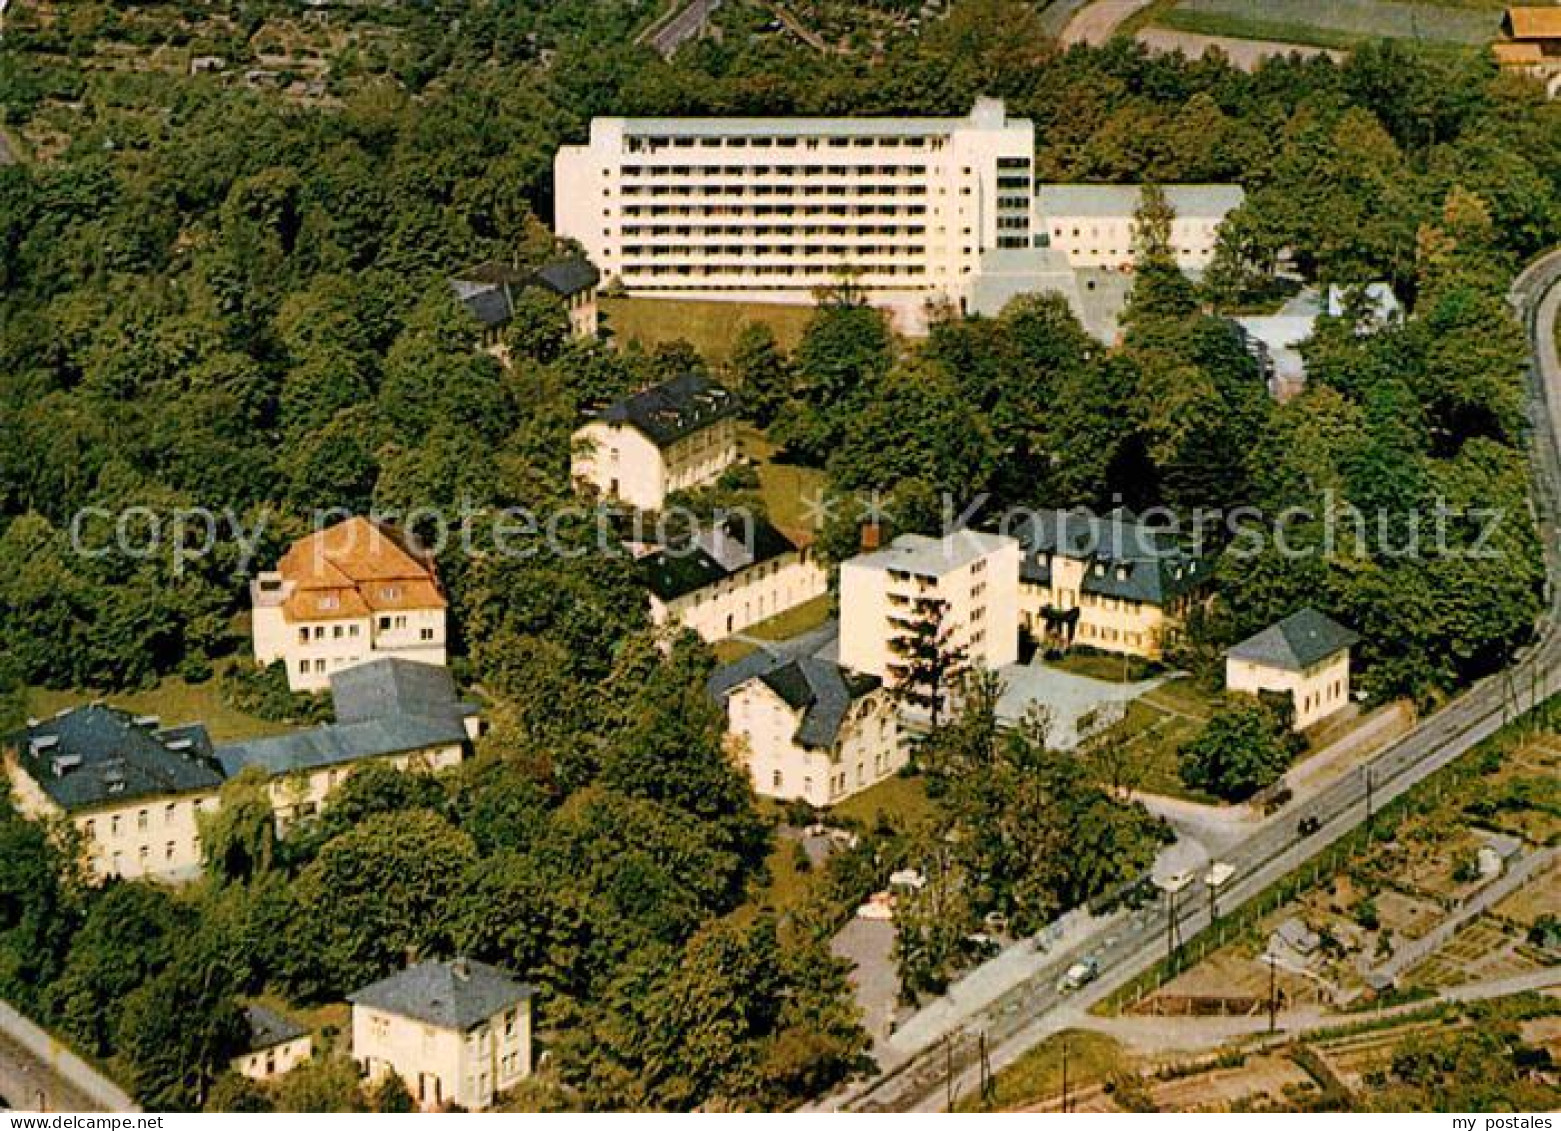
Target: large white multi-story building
<point x="965" y="584"/>
<point x="771" y="209"/>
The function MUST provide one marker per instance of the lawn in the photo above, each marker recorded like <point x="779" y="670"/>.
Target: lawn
<point x="1103" y="665"/>
<point x="904" y="798"/>
<point x="173" y="701"/>
<point x="1337" y="24"/>
<point x="710" y="327"/>
<point x="790" y="492"/>
<point x="783" y="626"/>
<point x="1036" y="1077"/>
<point x="1158" y="724"/>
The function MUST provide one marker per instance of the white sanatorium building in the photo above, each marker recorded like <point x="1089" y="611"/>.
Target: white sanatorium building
<point x="773" y="208"/>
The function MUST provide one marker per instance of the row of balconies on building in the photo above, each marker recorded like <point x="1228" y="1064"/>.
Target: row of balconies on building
<point x="655" y="143"/>
<point x="796" y="214"/>
<point x="740" y="190"/>
<point x="774" y="170"/>
<point x="778" y="231"/>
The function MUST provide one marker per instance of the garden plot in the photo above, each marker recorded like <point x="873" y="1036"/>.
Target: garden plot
<point x="1338" y="24"/>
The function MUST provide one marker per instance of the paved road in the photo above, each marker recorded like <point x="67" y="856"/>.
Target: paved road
<point x="28" y="1083"/>
<point x="687" y="24"/>
<point x="1028" y="1013"/>
<point x="1095" y="23"/>
<point x="1244" y="54"/>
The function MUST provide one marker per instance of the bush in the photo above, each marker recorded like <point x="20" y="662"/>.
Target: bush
<point x="263" y="692"/>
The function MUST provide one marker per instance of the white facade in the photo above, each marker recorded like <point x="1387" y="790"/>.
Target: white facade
<point x="343" y="596"/>
<point x="623" y="463"/>
<point x="868" y="747"/>
<point x="773" y="208"/>
<point x="1094" y="225"/>
<point x="744" y="597"/>
<point x="445" y="1065"/>
<point x="975" y="577"/>
<point x="1316" y="691"/>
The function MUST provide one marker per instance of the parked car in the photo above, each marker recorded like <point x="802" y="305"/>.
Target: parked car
<point x="1307" y="826"/>
<point x="1081" y="973"/>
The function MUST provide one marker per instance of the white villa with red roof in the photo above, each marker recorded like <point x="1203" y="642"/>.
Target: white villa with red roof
<point x="344" y="595"/>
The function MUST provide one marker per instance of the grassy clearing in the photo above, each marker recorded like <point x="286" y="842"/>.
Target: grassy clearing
<point x="1103" y="665"/>
<point x="901" y="798"/>
<point x="1158" y="724"/>
<point x="788" y="490"/>
<point x="710" y="327"/>
<point x="1337" y="24"/>
<point x="1036" y="1077"/>
<point x="172" y="700"/>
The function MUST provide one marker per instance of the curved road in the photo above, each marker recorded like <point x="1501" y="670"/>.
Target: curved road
<point x="1132" y="943"/>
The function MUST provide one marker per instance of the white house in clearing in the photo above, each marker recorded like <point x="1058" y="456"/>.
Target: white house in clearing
<point x="1305" y="656"/>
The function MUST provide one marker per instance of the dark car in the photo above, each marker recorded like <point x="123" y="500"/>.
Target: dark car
<point x="1308" y="825"/>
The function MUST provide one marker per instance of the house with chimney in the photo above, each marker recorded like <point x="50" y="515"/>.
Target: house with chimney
<point x="457" y="1032"/>
<point x="350" y="593"/>
<point x="671" y="437"/>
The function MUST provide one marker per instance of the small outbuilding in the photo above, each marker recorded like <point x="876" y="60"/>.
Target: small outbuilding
<point x="1305" y="656"/>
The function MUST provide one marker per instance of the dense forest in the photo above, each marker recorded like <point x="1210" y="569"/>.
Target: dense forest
<point x="221" y="297"/>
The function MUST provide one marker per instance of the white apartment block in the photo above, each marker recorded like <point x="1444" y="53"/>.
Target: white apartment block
<point x="350" y="593"/>
<point x="971" y="577"/>
<point x="770" y="209"/>
<point x="1095" y="226"/>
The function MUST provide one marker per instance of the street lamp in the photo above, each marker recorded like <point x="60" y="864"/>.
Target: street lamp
<point x="1273" y="989"/>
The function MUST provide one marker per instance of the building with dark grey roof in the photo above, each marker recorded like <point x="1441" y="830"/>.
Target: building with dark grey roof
<point x="129" y="786"/>
<point x="457" y="1032"/>
<point x="728" y="577"/>
<point x="392" y="709"/>
<point x="808" y="729"/>
<point x="675" y="436"/>
<point x="277" y="1044"/>
<point x="1305" y="656"/>
<point x="1109" y="582"/>
<point x="490" y="290"/>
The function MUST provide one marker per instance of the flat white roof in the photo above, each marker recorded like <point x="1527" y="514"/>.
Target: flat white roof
<point x="1203" y="201"/>
<point x="933" y="557"/>
<point x="988" y="114"/>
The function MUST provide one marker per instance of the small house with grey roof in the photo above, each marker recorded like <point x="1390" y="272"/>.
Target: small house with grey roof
<point x="807" y="729"/>
<point x="276" y="1044"/>
<point x="390" y="710"/>
<point x="728" y="576"/>
<point x="670" y="437"/>
<point x="457" y="1032"/>
<point x="1306" y="656"/>
<point x="129" y="786"/>
<point x="1109" y="582"/>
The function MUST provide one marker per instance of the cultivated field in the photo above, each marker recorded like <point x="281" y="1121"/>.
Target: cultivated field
<point x="1338" y="24"/>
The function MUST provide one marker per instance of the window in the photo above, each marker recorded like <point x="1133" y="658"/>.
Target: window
<point x="336" y="632"/>
<point x="168" y="851"/>
<point x="319" y="632"/>
<point x="303" y="636"/>
<point x="113" y="825"/>
<point x="384" y="624"/>
<point x="352" y="630"/>
<point x="426" y="634"/>
<point x="303" y="667"/>
<point x="170" y="811"/>
<point x="775" y="779"/>
<point x="90" y="829"/>
<point x="141" y="821"/>
<point x="143" y="855"/>
<point x="319" y="666"/>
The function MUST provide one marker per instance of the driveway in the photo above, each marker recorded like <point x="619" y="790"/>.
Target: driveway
<point x="1067" y="698"/>
<point x="1097" y="22"/>
<point x="868" y="945"/>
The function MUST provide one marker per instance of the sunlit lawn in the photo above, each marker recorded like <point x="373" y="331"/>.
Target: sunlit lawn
<point x="783" y="626"/>
<point x="1036" y="1077"/>
<point x="173" y="701"/>
<point x="902" y="798"/>
<point x="710" y="327"/>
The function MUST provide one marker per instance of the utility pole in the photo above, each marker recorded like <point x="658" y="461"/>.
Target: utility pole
<point x="988" y="1083"/>
<point x="1273" y="992"/>
<point x="948" y="1072"/>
